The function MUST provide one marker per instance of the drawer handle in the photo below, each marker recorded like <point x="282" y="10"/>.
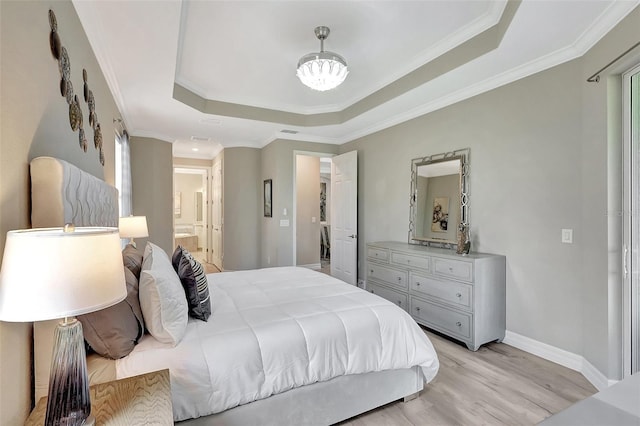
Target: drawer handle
<point x="408" y="260"/>
<point x="450" y="269"/>
<point x="400" y="302"/>
<point x="459" y="324"/>
<point x="458" y="295"/>
<point x="371" y="271"/>
<point x="418" y="308"/>
<point x="399" y="279"/>
<point x="417" y="283"/>
<point x="371" y="291"/>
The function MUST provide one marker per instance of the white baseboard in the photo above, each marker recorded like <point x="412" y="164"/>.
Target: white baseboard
<point x="314" y="266"/>
<point x="559" y="356"/>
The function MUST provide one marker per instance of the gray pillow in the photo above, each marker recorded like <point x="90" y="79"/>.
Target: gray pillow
<point x="195" y="283"/>
<point x="114" y="331"/>
<point x="132" y="258"/>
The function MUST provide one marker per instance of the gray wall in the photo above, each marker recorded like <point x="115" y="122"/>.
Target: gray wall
<point x="543" y="157"/>
<point x="242" y="205"/>
<point x="525" y="159"/>
<point x="152" y="189"/>
<point x="277" y="164"/>
<point x="307" y="207"/>
<point x="35" y="122"/>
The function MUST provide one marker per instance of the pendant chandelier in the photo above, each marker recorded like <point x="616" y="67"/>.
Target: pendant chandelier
<point x="322" y="70"/>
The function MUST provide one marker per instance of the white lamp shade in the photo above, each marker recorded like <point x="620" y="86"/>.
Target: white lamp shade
<point x="133" y="227"/>
<point x="48" y="273"/>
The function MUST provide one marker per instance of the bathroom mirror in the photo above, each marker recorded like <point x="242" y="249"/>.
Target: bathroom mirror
<point x="199" y="208"/>
<point x="439" y="200"/>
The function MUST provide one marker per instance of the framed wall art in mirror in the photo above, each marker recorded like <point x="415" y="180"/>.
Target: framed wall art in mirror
<point x="439" y="199"/>
<point x="267" y="198"/>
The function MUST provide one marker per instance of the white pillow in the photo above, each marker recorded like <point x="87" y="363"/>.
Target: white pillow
<point x="162" y="298"/>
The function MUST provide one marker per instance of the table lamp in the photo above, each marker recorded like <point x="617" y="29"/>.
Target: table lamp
<point x="133" y="227"/>
<point x="51" y="273"/>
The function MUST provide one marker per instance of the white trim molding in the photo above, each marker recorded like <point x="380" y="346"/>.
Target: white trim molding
<point x="314" y="266"/>
<point x="559" y="356"/>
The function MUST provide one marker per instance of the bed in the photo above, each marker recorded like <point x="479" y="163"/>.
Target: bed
<point x="282" y="346"/>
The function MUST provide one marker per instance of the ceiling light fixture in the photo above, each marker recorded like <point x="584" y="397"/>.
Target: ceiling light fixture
<point x="322" y="70"/>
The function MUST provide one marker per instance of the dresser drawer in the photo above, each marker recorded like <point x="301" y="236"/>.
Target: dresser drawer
<point x="391" y="295"/>
<point x="453" y="269"/>
<point x="388" y="275"/>
<point x="378" y="254"/>
<point x="449" y="321"/>
<point x="409" y="260"/>
<point x="457" y="294"/>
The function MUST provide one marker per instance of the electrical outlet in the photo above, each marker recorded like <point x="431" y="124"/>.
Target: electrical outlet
<point x="567" y="236"/>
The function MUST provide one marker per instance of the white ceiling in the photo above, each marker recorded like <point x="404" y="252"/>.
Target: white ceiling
<point x="245" y="53"/>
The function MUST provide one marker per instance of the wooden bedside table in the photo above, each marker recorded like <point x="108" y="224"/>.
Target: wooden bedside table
<point x="138" y="400"/>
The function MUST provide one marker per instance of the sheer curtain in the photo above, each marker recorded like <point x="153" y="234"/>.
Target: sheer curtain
<point x="123" y="173"/>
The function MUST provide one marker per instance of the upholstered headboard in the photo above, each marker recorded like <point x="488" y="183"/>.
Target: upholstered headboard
<point x="62" y="193"/>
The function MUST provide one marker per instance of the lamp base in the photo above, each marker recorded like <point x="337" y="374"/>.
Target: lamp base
<point x="69" y="403"/>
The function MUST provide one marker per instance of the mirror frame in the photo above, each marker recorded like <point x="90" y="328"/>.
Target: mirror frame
<point x="463" y="155"/>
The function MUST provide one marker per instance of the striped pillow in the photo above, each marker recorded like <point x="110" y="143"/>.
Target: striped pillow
<point x="194" y="282"/>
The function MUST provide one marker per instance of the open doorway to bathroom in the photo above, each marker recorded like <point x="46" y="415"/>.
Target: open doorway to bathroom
<point x="190" y="211"/>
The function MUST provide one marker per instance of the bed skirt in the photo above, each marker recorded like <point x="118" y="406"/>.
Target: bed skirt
<point x="322" y="403"/>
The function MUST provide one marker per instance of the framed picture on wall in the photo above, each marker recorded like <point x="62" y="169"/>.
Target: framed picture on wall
<point x="267" y="198"/>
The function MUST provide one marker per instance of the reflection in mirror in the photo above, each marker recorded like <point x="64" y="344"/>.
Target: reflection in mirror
<point x="199" y="208"/>
<point x="439" y="198"/>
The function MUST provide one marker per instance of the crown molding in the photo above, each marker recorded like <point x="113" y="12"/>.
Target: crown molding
<point x="103" y="60"/>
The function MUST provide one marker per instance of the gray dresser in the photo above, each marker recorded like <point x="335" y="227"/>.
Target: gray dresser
<point x="460" y="296"/>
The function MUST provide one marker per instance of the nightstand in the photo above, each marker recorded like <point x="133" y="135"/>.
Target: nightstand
<point x="144" y="399"/>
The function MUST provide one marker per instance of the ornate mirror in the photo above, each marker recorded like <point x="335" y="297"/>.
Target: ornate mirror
<point x="439" y="200"/>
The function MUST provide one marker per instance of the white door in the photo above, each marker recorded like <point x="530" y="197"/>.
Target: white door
<point x="344" y="217"/>
<point x="216" y="215"/>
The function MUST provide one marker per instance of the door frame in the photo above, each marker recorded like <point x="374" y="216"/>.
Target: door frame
<point x="206" y="174"/>
<point x="631" y="255"/>
<point x="295" y="200"/>
<point x="210" y="259"/>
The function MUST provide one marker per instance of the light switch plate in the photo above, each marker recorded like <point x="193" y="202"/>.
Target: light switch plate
<point x="567" y="236"/>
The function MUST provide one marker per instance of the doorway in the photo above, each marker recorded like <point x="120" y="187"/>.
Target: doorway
<point x="190" y="212"/>
<point x="331" y="244"/>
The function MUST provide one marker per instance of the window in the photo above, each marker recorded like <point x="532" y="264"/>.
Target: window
<point x="123" y="173"/>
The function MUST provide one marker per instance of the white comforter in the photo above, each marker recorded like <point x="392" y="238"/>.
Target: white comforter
<point x="275" y="329"/>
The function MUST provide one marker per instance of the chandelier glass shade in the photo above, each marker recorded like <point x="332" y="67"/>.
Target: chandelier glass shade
<point x="322" y="70"/>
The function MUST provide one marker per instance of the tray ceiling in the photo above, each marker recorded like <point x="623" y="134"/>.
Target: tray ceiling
<point x="211" y="74"/>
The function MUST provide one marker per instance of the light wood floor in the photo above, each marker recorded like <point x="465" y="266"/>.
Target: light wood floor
<point x="209" y="268"/>
<point x="497" y="385"/>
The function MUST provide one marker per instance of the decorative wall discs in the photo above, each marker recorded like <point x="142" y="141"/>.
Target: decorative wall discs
<point x="75" y="115"/>
<point x="54" y="42"/>
<point x="82" y="139"/>
<point x="60" y="53"/>
<point x="97" y="137"/>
